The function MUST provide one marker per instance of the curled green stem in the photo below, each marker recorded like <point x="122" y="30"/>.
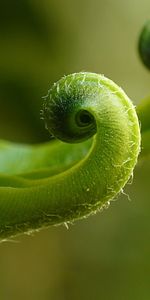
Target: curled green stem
<point x="97" y="145"/>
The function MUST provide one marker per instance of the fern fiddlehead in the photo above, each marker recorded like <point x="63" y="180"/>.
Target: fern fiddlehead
<point x="143" y="109"/>
<point x="144" y="44"/>
<point x="98" y="142"/>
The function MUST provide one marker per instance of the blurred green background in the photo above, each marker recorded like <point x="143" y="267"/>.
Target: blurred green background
<point x="106" y="256"/>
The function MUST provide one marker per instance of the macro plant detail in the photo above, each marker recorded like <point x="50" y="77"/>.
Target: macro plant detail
<point x="96" y="147"/>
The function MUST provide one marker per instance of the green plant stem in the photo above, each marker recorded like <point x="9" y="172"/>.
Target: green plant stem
<point x="59" y="182"/>
<point x="143" y="112"/>
<point x="143" y="109"/>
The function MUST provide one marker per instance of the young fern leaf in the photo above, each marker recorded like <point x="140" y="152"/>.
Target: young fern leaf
<point x="144" y="44"/>
<point x="94" y="154"/>
<point x="143" y="109"/>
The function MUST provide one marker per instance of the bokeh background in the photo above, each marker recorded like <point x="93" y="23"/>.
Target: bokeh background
<point x="106" y="256"/>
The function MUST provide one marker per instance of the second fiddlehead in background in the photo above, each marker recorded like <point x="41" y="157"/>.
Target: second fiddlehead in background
<point x="143" y="109"/>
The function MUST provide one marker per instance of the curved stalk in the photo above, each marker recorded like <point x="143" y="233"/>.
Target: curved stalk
<point x="65" y="180"/>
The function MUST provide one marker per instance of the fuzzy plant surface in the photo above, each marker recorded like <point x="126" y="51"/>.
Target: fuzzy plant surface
<point x="96" y="147"/>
